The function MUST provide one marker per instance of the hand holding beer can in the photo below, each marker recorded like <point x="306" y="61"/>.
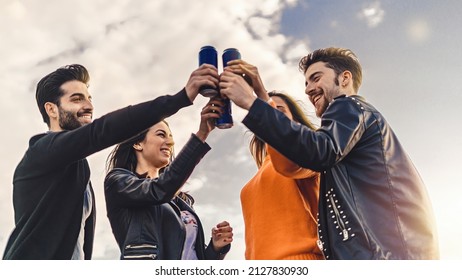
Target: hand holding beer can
<point x="208" y="54"/>
<point x="226" y="119"/>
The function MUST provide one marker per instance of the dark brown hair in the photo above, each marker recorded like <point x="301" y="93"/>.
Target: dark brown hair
<point x="124" y="156"/>
<point x="49" y="87"/>
<point x="338" y="59"/>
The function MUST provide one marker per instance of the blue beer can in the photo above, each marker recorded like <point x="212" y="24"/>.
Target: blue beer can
<point x="226" y="119"/>
<point x="230" y="54"/>
<point x="208" y="54"/>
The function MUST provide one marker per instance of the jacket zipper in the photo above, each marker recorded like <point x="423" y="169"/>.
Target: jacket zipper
<point x="140" y="246"/>
<point x="150" y="256"/>
<point x="339" y="219"/>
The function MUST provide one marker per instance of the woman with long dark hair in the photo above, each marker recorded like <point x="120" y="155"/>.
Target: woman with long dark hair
<point x="150" y="216"/>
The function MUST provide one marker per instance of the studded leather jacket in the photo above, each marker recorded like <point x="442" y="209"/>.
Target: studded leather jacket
<point x="372" y="203"/>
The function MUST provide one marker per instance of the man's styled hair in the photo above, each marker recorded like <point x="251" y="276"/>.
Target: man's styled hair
<point x="49" y="87"/>
<point x="338" y="59"/>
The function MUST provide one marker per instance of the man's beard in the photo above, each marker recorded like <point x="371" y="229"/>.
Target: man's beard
<point x="67" y="120"/>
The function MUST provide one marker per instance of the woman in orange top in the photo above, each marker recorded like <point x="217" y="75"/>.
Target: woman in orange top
<point x="280" y="203"/>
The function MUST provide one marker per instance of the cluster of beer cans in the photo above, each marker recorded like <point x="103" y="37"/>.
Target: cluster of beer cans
<point x="209" y="55"/>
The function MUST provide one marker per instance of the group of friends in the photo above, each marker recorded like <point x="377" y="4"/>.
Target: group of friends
<point x="343" y="190"/>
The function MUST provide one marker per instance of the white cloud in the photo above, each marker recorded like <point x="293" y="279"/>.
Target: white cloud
<point x="16" y="10"/>
<point x="372" y="13"/>
<point x="261" y="26"/>
<point x="295" y="51"/>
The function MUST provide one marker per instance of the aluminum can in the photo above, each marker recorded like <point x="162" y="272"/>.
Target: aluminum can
<point x="208" y="54"/>
<point x="230" y="54"/>
<point x="226" y="119"/>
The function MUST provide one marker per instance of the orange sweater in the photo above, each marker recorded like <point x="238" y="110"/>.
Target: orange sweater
<point x="280" y="205"/>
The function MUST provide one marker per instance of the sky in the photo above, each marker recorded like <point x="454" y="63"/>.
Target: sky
<point x="409" y="50"/>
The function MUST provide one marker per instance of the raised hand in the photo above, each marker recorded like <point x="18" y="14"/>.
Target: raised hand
<point x="251" y="75"/>
<point x="209" y="113"/>
<point x="234" y="87"/>
<point x="206" y="74"/>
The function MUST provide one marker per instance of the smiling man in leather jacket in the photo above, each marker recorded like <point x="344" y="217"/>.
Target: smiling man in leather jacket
<point x="372" y="203"/>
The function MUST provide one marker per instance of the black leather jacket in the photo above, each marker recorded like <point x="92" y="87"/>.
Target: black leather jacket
<point x="373" y="203"/>
<point x="145" y="213"/>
